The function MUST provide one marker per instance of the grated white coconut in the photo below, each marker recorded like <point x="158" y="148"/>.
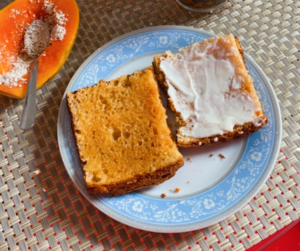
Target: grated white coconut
<point x="19" y="68"/>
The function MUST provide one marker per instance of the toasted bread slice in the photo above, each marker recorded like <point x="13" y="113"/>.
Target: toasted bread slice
<point x="215" y="101"/>
<point x="122" y="135"/>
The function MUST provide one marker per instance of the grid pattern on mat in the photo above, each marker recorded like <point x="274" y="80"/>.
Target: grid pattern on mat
<point x="41" y="208"/>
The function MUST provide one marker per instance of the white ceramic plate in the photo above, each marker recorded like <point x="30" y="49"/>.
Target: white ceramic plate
<point x="211" y="188"/>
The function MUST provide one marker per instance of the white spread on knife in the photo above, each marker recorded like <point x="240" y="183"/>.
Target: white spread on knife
<point x="205" y="88"/>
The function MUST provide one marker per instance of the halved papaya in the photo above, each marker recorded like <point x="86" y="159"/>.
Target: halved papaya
<point x="14" y="19"/>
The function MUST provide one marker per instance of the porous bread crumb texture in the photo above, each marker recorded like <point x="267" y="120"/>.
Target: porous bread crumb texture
<point x="239" y="131"/>
<point x="122" y="135"/>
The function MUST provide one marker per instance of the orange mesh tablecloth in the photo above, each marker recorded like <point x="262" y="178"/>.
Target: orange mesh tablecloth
<point x="41" y="209"/>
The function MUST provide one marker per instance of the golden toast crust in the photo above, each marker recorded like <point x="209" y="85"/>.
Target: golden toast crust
<point x="137" y="182"/>
<point x="122" y="146"/>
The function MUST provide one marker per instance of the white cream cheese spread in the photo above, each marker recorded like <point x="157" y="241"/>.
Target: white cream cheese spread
<point x="205" y="85"/>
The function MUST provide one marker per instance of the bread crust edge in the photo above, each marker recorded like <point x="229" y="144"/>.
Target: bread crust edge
<point x="138" y="182"/>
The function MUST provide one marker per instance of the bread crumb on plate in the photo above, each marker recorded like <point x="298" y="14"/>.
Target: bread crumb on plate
<point x="221" y="156"/>
<point x="163" y="195"/>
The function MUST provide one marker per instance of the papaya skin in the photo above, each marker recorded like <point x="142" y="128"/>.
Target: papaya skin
<point x="12" y="35"/>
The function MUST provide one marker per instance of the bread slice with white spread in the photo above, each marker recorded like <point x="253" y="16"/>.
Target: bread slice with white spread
<point x="211" y="91"/>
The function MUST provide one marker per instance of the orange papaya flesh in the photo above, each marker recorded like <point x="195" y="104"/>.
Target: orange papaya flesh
<point x="14" y="19"/>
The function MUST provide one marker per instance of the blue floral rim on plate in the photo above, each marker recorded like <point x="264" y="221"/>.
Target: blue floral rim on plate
<point x="197" y="211"/>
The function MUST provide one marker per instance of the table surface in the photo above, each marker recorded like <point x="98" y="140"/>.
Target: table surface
<point x="41" y="208"/>
<point x="284" y="239"/>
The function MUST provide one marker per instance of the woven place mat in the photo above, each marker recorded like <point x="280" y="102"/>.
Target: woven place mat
<point x="41" y="209"/>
